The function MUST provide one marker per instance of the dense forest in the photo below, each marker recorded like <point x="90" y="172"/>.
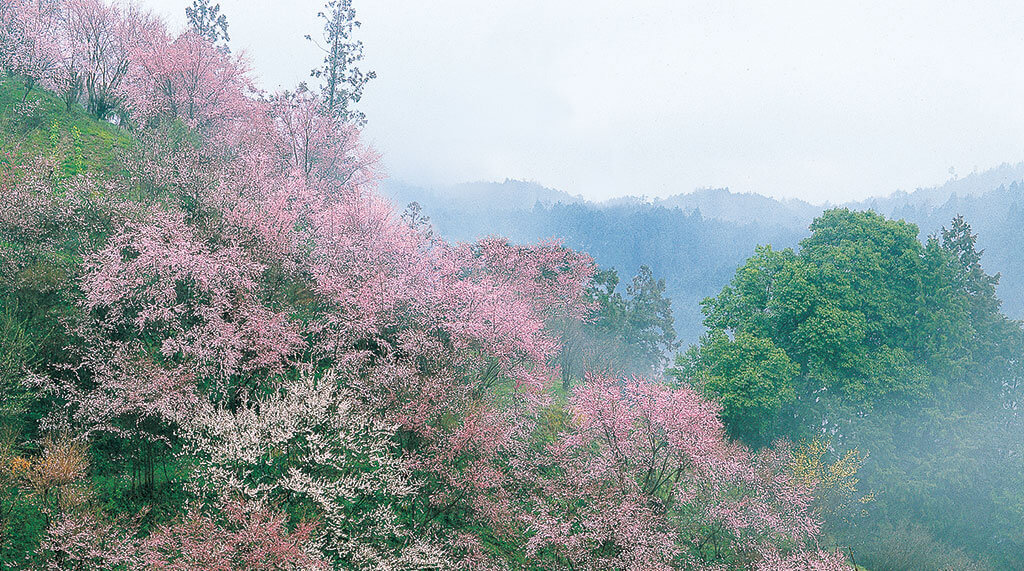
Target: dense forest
<point x="222" y="348"/>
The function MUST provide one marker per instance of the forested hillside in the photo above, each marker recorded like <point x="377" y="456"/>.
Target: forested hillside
<point x="221" y="349"/>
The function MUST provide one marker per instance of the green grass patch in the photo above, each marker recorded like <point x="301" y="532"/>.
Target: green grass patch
<point x="42" y="125"/>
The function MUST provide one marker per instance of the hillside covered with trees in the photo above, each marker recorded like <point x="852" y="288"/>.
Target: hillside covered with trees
<point x="222" y="347"/>
<point x="222" y="350"/>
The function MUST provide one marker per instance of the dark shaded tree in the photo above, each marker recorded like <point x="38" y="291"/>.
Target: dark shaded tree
<point x="625" y="335"/>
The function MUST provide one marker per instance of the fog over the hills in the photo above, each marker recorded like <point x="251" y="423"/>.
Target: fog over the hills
<point x="696" y="240"/>
<point x="603" y="99"/>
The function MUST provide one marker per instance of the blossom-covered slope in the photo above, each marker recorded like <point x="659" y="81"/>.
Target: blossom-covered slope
<point x="222" y="350"/>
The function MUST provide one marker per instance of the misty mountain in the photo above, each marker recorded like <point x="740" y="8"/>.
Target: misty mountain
<point x="697" y="240"/>
<point x="722" y="204"/>
<point x="695" y="254"/>
<point x="975" y="184"/>
<point x="479" y="196"/>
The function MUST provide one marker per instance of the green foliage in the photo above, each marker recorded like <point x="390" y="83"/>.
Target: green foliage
<point x="889" y="346"/>
<point x="629" y="334"/>
<point x="24" y="528"/>
<point x="44" y="126"/>
<point x="77" y="158"/>
<point x="649" y="326"/>
<point x="17" y="351"/>
<point x="848" y="310"/>
<point x="749" y="376"/>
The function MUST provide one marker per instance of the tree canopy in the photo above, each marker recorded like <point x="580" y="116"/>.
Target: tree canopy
<point x="885" y="345"/>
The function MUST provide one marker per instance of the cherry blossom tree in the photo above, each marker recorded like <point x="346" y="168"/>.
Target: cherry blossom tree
<point x="231" y="537"/>
<point x="86" y="540"/>
<point x="28" y="41"/>
<point x="187" y="78"/>
<point x="644" y="478"/>
<point x="236" y="537"/>
<point x="320" y="146"/>
<point x="75" y="47"/>
<point x="197" y="302"/>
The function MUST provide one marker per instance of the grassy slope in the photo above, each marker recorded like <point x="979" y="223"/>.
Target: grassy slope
<point x="42" y="133"/>
<point x="43" y="126"/>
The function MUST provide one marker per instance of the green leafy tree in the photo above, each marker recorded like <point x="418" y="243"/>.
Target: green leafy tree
<point x="897" y="349"/>
<point x="748" y="376"/>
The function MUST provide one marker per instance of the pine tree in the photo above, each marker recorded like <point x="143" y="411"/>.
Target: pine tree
<point x="343" y="81"/>
<point x="208" y="22"/>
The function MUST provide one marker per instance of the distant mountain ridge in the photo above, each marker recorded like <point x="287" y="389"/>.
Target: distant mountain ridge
<point x="972" y="185"/>
<point x="722" y="204"/>
<point x="507" y="195"/>
<point x="696" y="240"/>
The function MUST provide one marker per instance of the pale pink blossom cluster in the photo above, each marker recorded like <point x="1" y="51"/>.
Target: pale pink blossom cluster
<point x="81" y="49"/>
<point x="188" y="79"/>
<point x="240" y="536"/>
<point x="83" y="540"/>
<point x="57" y="225"/>
<point x="28" y="44"/>
<point x="313" y="443"/>
<point x="644" y="478"/>
<point x="199" y="302"/>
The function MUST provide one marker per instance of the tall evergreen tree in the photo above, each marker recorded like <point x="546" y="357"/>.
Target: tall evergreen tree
<point x="208" y="22"/>
<point x="343" y="81"/>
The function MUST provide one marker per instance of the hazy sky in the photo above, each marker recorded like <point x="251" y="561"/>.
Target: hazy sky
<point x="817" y="100"/>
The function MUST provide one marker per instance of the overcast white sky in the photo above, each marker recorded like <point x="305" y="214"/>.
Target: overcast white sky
<point x="817" y="100"/>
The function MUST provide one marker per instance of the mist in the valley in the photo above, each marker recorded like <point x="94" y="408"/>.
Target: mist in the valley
<point x="939" y="442"/>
